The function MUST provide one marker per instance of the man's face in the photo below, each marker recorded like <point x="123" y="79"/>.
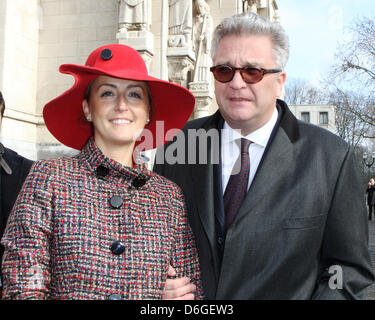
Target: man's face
<point x="247" y="106"/>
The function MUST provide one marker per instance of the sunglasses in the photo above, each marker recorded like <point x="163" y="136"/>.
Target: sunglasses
<point x="224" y="73"/>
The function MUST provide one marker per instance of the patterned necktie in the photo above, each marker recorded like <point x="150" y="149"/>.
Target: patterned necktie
<point x="236" y="189"/>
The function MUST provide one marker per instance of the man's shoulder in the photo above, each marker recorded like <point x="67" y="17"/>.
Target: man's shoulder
<point x="322" y="137"/>
<point x="203" y="122"/>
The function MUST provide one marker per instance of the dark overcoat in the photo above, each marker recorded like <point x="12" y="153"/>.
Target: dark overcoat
<point x="371" y="195"/>
<point x="11" y="185"/>
<point x="309" y="242"/>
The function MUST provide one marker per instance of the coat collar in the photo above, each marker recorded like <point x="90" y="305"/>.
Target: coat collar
<point x="94" y="158"/>
<point x="288" y="122"/>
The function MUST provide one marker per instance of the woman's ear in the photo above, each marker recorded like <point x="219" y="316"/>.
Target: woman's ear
<point x="86" y="110"/>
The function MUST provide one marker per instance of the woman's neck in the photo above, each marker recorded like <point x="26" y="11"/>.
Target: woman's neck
<point x="120" y="153"/>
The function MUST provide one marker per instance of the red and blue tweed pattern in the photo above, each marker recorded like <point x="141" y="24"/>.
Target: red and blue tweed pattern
<point x="59" y="234"/>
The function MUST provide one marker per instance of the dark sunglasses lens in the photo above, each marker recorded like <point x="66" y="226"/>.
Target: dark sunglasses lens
<point x="252" y="75"/>
<point x="223" y="73"/>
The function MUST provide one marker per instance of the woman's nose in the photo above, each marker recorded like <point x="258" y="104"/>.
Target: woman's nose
<point x="122" y="104"/>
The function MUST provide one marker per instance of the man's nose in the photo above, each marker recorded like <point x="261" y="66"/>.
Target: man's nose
<point x="237" y="82"/>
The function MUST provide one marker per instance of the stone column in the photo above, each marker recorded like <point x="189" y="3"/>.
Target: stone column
<point x="203" y="98"/>
<point x="180" y="54"/>
<point x="201" y="85"/>
<point x="134" y="27"/>
<point x="178" y="69"/>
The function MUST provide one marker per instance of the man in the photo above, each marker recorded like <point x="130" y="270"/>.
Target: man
<point x="13" y="172"/>
<point x="371" y="198"/>
<point x="300" y="231"/>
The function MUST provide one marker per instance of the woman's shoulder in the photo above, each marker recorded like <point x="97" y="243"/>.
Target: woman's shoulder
<point x="54" y="165"/>
<point x="164" y="185"/>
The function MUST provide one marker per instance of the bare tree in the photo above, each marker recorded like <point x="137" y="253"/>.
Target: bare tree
<point x="352" y="121"/>
<point x="351" y="83"/>
<point x="355" y="58"/>
<point x="300" y="91"/>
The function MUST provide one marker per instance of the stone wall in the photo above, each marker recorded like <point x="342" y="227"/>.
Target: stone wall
<point x="37" y="36"/>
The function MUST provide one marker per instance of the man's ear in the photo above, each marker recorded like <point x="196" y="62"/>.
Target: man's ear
<point x="281" y="81"/>
<point x="86" y="110"/>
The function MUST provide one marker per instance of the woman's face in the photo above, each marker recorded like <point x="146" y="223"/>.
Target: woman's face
<point x="118" y="110"/>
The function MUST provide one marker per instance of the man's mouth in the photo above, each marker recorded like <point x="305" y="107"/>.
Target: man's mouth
<point x="239" y="99"/>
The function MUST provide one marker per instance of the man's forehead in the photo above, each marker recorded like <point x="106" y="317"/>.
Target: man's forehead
<point x="240" y="64"/>
<point x="244" y="50"/>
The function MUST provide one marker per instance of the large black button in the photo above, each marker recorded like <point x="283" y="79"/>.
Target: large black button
<point x="139" y="181"/>
<point x="106" y="54"/>
<point x="101" y="171"/>
<point x="117" y="248"/>
<point x="115" y="297"/>
<point x="115" y="202"/>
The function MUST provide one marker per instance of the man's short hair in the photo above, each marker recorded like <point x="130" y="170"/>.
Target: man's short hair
<point x="251" y="24"/>
<point x="2" y="104"/>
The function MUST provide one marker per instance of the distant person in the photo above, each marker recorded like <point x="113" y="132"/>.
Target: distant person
<point x="13" y="171"/>
<point x="371" y="198"/>
<point x="100" y="225"/>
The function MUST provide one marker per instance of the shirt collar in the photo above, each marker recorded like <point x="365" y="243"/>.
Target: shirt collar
<point x="259" y="136"/>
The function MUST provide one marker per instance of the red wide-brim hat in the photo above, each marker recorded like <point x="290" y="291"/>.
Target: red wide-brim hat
<point x="172" y="104"/>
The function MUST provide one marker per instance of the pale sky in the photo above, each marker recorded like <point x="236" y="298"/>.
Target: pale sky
<point x="315" y="28"/>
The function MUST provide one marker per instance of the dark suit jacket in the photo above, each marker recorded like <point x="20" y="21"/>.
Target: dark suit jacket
<point x="295" y="246"/>
<point x="11" y="186"/>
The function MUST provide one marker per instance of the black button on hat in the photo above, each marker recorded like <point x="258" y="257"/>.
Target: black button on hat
<point x="101" y="171"/>
<point x="117" y="248"/>
<point x="106" y="54"/>
<point x="115" y="202"/>
<point x="139" y="181"/>
<point x="114" y="297"/>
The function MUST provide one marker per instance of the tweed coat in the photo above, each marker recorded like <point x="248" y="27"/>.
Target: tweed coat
<point x="68" y="217"/>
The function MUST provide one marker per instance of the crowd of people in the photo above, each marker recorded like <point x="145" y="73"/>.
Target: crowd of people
<point x="101" y="225"/>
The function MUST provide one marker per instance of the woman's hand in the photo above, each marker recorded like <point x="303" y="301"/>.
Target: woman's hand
<point x="179" y="288"/>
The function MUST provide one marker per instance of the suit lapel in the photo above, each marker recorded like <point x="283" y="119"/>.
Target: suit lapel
<point x="204" y="179"/>
<point x="276" y="163"/>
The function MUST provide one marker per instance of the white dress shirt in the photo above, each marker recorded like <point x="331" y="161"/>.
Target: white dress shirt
<point x="230" y="150"/>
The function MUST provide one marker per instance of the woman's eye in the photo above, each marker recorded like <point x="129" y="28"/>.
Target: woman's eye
<point x="134" y="94"/>
<point x="106" y="94"/>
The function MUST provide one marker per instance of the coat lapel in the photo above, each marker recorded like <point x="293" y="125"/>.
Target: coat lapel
<point x="276" y="163"/>
<point x="203" y="176"/>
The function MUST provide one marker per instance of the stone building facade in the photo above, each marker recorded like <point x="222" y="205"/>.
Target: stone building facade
<point x="322" y="115"/>
<point x="37" y="36"/>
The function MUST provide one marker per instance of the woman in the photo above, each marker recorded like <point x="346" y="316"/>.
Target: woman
<point x="99" y="225"/>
